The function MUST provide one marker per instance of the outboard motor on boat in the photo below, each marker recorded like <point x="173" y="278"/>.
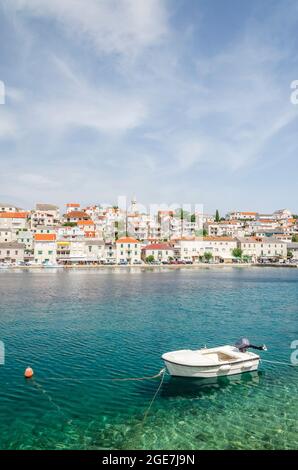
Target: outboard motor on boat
<point x="243" y="344"/>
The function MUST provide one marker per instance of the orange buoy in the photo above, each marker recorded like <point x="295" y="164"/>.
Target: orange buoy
<point x="28" y="373"/>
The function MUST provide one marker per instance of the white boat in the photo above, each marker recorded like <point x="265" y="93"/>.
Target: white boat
<point x="213" y="362"/>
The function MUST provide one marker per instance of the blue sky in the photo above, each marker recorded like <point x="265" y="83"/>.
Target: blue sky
<point x="174" y="101"/>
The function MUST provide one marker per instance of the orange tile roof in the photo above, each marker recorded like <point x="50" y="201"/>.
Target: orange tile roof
<point x="85" y="222"/>
<point x="45" y="237"/>
<point x="127" y="240"/>
<point x="76" y="215"/>
<point x="72" y="204"/>
<point x="248" y="213"/>
<point x="14" y="215"/>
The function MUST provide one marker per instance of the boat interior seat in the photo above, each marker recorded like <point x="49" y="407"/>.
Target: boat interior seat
<point x="220" y="356"/>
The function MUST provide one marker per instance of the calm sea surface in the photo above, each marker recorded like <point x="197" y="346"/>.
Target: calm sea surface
<point x="76" y="328"/>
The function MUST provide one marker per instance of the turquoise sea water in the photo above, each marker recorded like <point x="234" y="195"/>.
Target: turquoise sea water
<point x="76" y="328"/>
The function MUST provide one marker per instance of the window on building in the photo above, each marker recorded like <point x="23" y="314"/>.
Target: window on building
<point x="50" y="252"/>
<point x="39" y="252"/>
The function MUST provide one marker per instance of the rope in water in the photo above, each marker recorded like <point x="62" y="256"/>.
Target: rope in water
<point x="116" y="379"/>
<point x="161" y="374"/>
<point x="278" y="362"/>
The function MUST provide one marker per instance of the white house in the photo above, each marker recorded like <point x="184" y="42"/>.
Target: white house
<point x="159" y="251"/>
<point x="70" y="232"/>
<point x="128" y="250"/>
<point x="110" y="252"/>
<point x="72" y="207"/>
<point x="293" y="248"/>
<point x="14" y="220"/>
<point x="4" y="207"/>
<point x="27" y="238"/>
<point x="226" y="228"/>
<point x="94" y="251"/>
<point x="257" y="248"/>
<point x="12" y="252"/>
<point x="220" y="247"/>
<point x="191" y="249"/>
<point x="242" y="215"/>
<point x="45" y="214"/>
<point x="6" y="235"/>
<point x="45" y="248"/>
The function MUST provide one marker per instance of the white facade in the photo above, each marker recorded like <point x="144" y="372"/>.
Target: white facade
<point x="14" y="220"/>
<point x="94" y="251"/>
<point x="262" y="248"/>
<point x="11" y="253"/>
<point x="6" y="235"/>
<point x="219" y="247"/>
<point x="160" y="252"/>
<point x="226" y="229"/>
<point x="45" y="251"/>
<point x="128" y="250"/>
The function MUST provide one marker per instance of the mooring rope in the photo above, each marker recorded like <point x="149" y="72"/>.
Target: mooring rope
<point x="111" y="379"/>
<point x="162" y="374"/>
<point x="42" y="390"/>
<point x="58" y="408"/>
<point x="278" y="362"/>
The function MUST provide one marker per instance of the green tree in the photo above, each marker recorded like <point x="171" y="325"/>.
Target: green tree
<point x="237" y="253"/>
<point x="69" y="224"/>
<point x="208" y="256"/>
<point x="290" y="254"/>
<point x="217" y="216"/>
<point x="150" y="259"/>
<point x="295" y="238"/>
<point x="182" y="215"/>
<point x="193" y="218"/>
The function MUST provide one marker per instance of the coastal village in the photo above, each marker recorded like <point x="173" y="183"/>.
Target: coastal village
<point x="102" y="235"/>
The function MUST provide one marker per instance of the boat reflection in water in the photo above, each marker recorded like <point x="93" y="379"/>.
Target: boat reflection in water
<point x="194" y="387"/>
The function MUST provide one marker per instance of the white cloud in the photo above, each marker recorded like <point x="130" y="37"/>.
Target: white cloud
<point x="8" y="124"/>
<point x="112" y="26"/>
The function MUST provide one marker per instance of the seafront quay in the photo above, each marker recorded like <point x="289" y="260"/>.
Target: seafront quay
<point x="96" y="236"/>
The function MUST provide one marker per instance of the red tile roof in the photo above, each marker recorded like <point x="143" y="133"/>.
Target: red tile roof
<point x="72" y="204"/>
<point x="158" y="246"/>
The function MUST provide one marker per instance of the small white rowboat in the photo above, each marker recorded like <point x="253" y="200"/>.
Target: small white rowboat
<point x="213" y="362"/>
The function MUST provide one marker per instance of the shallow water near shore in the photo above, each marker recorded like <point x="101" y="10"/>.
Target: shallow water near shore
<point x="78" y="327"/>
